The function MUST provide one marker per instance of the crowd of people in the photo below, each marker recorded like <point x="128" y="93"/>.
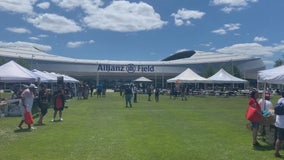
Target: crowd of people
<point x="258" y="112"/>
<point x="260" y="107"/>
<point x="43" y="98"/>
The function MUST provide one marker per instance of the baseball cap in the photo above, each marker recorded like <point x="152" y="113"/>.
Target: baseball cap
<point x="33" y="86"/>
<point x="267" y="96"/>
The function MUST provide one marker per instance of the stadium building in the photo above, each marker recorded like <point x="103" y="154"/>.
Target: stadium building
<point x="110" y="71"/>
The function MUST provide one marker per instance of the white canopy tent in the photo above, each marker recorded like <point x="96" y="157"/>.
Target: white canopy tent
<point x="142" y="79"/>
<point x="188" y="76"/>
<point x="224" y="77"/>
<point x="44" y="77"/>
<point x="12" y="72"/>
<point x="272" y="76"/>
<point x="66" y="79"/>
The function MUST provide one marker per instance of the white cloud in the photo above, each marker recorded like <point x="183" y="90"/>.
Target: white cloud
<point x="18" y="30"/>
<point x="71" y="4"/>
<point x="42" y="35"/>
<point x="232" y="5"/>
<point x="184" y="16"/>
<point x="260" y="39"/>
<point x="25" y="44"/>
<point x="121" y="16"/>
<point x="75" y="44"/>
<point x="226" y="28"/>
<point x="124" y="16"/>
<point x="54" y="23"/>
<point x="44" y="5"/>
<point x="34" y="38"/>
<point x="206" y="44"/>
<point x="79" y="43"/>
<point x="253" y="49"/>
<point x="17" y="6"/>
<point x="220" y="31"/>
<point x="232" y="26"/>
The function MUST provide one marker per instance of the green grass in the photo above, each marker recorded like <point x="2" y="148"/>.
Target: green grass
<point x="201" y="128"/>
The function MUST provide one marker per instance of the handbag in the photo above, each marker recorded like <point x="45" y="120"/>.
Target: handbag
<point x="252" y="114"/>
<point x="28" y="117"/>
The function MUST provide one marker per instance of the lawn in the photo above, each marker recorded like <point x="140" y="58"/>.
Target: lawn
<point x="201" y="128"/>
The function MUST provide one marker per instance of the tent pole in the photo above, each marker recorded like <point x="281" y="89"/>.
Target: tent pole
<point x="263" y="95"/>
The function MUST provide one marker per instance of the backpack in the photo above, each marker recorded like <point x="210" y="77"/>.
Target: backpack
<point x="279" y="109"/>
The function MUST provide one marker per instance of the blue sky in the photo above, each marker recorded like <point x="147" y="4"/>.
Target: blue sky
<point x="145" y="29"/>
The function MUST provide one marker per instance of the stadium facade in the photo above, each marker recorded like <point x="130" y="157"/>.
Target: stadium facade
<point x="123" y="71"/>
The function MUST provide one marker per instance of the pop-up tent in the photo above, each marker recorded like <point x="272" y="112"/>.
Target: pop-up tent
<point x="188" y="76"/>
<point x="44" y="77"/>
<point x="12" y="72"/>
<point x="142" y="79"/>
<point x="224" y="77"/>
<point x="272" y="76"/>
<point x="66" y="79"/>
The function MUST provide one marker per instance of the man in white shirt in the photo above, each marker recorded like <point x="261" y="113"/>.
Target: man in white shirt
<point x="267" y="105"/>
<point x="279" y="124"/>
<point x="27" y="100"/>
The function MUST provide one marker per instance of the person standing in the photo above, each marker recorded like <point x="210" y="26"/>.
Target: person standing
<point x="266" y="106"/>
<point x="255" y="123"/>
<point x="128" y="96"/>
<point x="26" y="103"/>
<point x="157" y="94"/>
<point x="59" y="103"/>
<point x="279" y="124"/>
<point x="92" y="90"/>
<point x="135" y="90"/>
<point x="149" y="92"/>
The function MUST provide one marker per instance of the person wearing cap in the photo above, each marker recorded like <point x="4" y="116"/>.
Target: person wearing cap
<point x="26" y="102"/>
<point x="265" y="105"/>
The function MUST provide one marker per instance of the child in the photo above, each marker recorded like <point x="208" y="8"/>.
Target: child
<point x="59" y="103"/>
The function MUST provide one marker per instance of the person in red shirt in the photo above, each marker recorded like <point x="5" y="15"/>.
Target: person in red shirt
<point x="255" y="123"/>
<point x="59" y="103"/>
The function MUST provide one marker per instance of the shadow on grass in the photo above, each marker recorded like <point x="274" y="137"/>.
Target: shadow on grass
<point x="39" y="124"/>
<point x="22" y="130"/>
<point x="264" y="148"/>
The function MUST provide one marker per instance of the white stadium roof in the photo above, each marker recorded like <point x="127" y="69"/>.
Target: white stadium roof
<point x="30" y="52"/>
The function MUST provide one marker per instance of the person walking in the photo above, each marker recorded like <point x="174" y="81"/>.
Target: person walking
<point x="26" y="103"/>
<point x="43" y="103"/>
<point x="128" y="96"/>
<point x="59" y="103"/>
<point x="279" y="124"/>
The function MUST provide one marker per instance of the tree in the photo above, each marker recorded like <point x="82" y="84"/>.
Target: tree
<point x="233" y="70"/>
<point x="21" y="61"/>
<point x="209" y="71"/>
<point x="278" y="62"/>
<point x="3" y="60"/>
